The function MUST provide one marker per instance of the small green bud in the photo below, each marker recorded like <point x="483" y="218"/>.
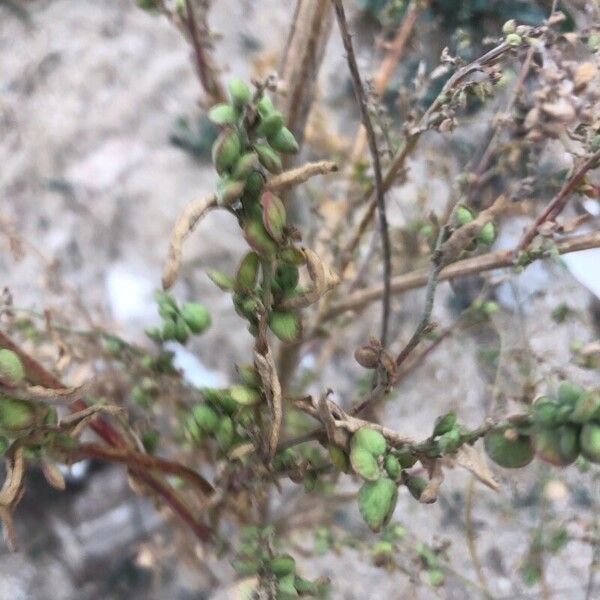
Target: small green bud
<point x="150" y="440"/>
<point x="258" y="238"/>
<point x="246" y="164"/>
<point x="435" y="577"/>
<point x="364" y="464"/>
<point x="245" y="279"/>
<point x="274" y="216"/>
<point x="546" y="412"/>
<point x="377" y="501"/>
<point x="225" y="433"/>
<point x="590" y="441"/>
<point x="586" y="409"/>
<point x="246" y="568"/>
<point x="169" y="331"/>
<point x="244" y="395"/>
<point x="182" y="331"/>
<point x="305" y="587"/>
<point x="487" y="235"/>
<point x="11" y="367"/>
<point x="569" y="393"/>
<point x="226" y="150"/>
<point x="229" y="190"/>
<point x="463" y="215"/>
<point x="286" y="276"/>
<point x="287" y="326"/>
<point x="405" y="458"/>
<point x="196" y="317"/>
<point x="292" y="256"/>
<point x="221" y="280"/>
<point x="249" y="376"/>
<point x="416" y="486"/>
<point x="206" y="417"/>
<point x="154" y="333"/>
<point x="449" y="442"/>
<point x="270" y="124"/>
<point x="268" y="158"/>
<point x="284" y="141"/>
<point x="265" y="107"/>
<point x="508" y="448"/>
<point x="239" y="92"/>
<point x="254" y="184"/>
<point x="514" y="39"/>
<point x="392" y="467"/>
<point x="283" y="565"/>
<point x="15" y="415"/>
<point x="559" y="446"/>
<point x="338" y="458"/>
<point x="509" y="27"/>
<point x="444" y="423"/>
<point x="223" y="114"/>
<point x="370" y="440"/>
<point x="286" y="587"/>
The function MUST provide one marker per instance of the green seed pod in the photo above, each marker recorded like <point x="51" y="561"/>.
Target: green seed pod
<point x="169" y="331"/>
<point x="305" y="587"/>
<point x="463" y="215"/>
<point x="223" y="114"/>
<point x="226" y="150"/>
<point x="11" y="367"/>
<point x="254" y="184"/>
<point x="182" y="331"/>
<point x="206" y="417"/>
<point x="416" y="485"/>
<point x="377" y="501"/>
<point x="586" y="409"/>
<point x="245" y="279"/>
<point x="436" y="577"/>
<point x="292" y="256"/>
<point x="338" y="458"/>
<point x="245" y="166"/>
<point x="192" y="430"/>
<point x="514" y="39"/>
<point x="286" y="459"/>
<point x="258" y="238"/>
<point x="154" y="333"/>
<point x="225" y="433"/>
<point x="246" y="568"/>
<point x="444" y="423"/>
<point x="229" y="190"/>
<point x="249" y="376"/>
<point x="286" y="588"/>
<point x="220" y="399"/>
<point x="274" y="216"/>
<point x="509" y="27"/>
<point x="364" y="464"/>
<point x="286" y="276"/>
<point x="449" y="442"/>
<point x="268" y="158"/>
<point x="239" y="92"/>
<point x="287" y="326"/>
<point x="569" y="393"/>
<point x="370" y="440"/>
<point x="508" y="448"/>
<point x="393" y="467"/>
<point x="270" y="124"/>
<point x="546" y="412"/>
<point x="283" y="141"/>
<point x="282" y="565"/>
<point x="548" y="444"/>
<point x="16" y="415"/>
<point x="487" y="235"/>
<point x="590" y="441"/>
<point x="196" y="316"/>
<point x="265" y="107"/>
<point x="246" y="396"/>
<point x="221" y="280"/>
<point x="405" y="458"/>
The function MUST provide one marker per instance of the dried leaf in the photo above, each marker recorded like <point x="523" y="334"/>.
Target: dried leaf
<point x="474" y="461"/>
<point x="584" y="73"/>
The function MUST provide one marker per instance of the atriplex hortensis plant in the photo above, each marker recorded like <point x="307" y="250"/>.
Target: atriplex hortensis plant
<point x="244" y="429"/>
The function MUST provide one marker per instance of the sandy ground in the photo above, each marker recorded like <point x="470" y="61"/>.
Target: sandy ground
<point x="89" y="94"/>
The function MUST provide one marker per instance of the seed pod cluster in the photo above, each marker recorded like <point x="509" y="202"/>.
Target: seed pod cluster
<point x="558" y="431"/>
<point x="465" y="215"/>
<point x="178" y="323"/>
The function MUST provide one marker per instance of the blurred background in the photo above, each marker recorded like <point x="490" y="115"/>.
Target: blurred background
<point x="103" y="142"/>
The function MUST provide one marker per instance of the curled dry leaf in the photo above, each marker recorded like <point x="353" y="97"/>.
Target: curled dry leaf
<point x="474" y="461"/>
<point x="436" y="477"/>
<point x="38" y="393"/>
<point x="11" y="493"/>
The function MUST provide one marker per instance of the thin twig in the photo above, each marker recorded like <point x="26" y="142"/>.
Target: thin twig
<point x="559" y="202"/>
<point x="372" y="140"/>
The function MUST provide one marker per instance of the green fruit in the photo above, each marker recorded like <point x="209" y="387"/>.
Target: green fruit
<point x="192" y="430"/>
<point x="305" y="587"/>
<point x="558" y="446"/>
<point x="226" y="151"/>
<point x="11" y="367"/>
<point x="229" y="190"/>
<point x="254" y="184"/>
<point x="416" y="485"/>
<point x="221" y="280"/>
<point x="223" y="114"/>
<point x="225" y="433"/>
<point x="370" y="440"/>
<point x="508" y="448"/>
<point x="287" y="326"/>
<point x="586" y="408"/>
<point x="265" y="106"/>
<point x="15" y="415"/>
<point x="463" y="215"/>
<point x="274" y="216"/>
<point x="392" y="467"/>
<point x="268" y="158"/>
<point x="196" y="317"/>
<point x="450" y="441"/>
<point x="239" y="92"/>
<point x="487" y="234"/>
<point x="286" y="276"/>
<point x="514" y="39"/>
<point x="590" y="441"/>
<point x="444" y="423"/>
<point x="377" y="501"/>
<point x="292" y="256"/>
<point x="405" y="458"/>
<point x="569" y="393"/>
<point x="283" y="565"/>
<point x="220" y="399"/>
<point x="258" y="238"/>
<point x="283" y="141"/>
<point x="249" y="376"/>
<point x="246" y="396"/>
<point x="245" y="279"/>
<point x="286" y="587"/>
<point x="546" y="412"/>
<point x="206" y="417"/>
<point x="271" y="124"/>
<point x="364" y="464"/>
<point x="182" y="331"/>
<point x="245" y="166"/>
